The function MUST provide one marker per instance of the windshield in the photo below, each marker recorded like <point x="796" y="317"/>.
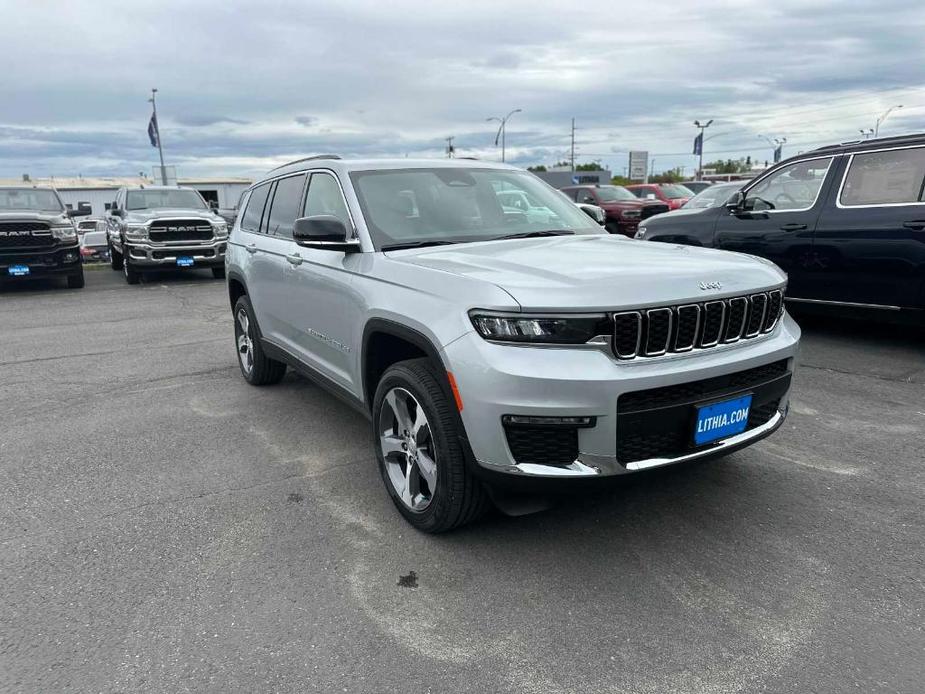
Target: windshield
<point x="155" y="198"/>
<point x="614" y="193"/>
<point x="30" y="199"/>
<point x="451" y="205"/>
<point x="713" y="196"/>
<point x="673" y="191"/>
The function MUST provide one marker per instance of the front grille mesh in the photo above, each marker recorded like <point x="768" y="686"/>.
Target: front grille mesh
<point x="542" y="445"/>
<point x="25" y="235"/>
<point x="180" y="230"/>
<point x="656" y="331"/>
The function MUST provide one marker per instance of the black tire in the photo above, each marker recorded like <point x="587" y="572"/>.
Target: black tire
<point x="76" y="281"/>
<point x="132" y="276"/>
<point x="459" y="497"/>
<point x="264" y="371"/>
<point x="218" y="273"/>
<point x="115" y="259"/>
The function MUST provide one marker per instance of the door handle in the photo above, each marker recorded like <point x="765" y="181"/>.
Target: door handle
<point x="251" y="248"/>
<point x="792" y="227"/>
<point x="294" y="259"/>
<point x="916" y="225"/>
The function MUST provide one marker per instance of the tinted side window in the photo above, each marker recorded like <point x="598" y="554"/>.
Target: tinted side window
<point x="254" y="212"/>
<point x="324" y="197"/>
<point x="794" y="187"/>
<point x="287" y="203"/>
<point x="573" y="194"/>
<point x="586" y="196"/>
<point x="882" y="178"/>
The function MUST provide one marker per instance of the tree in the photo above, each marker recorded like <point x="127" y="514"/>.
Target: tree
<point x="594" y="166"/>
<point x="622" y="181"/>
<point x="536" y="169"/>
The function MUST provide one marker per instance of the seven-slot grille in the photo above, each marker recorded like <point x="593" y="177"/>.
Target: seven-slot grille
<point x="656" y="331"/>
<point x="180" y="230"/>
<point x="25" y="235"/>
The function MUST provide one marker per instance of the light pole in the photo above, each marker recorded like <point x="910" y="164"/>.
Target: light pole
<point x="699" y="148"/>
<point x="502" y="129"/>
<point x="777" y="144"/>
<point x="884" y="117"/>
<point x="866" y="132"/>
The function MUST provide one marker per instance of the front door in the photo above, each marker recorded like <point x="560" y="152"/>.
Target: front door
<point x="778" y="218"/>
<point x="873" y="235"/>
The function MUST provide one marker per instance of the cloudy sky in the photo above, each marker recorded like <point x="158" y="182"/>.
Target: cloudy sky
<point x="246" y="86"/>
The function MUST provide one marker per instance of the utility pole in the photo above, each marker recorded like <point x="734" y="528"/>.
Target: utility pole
<point x="572" y="154"/>
<point x="502" y="131"/>
<point x="651" y="170"/>
<point x="698" y="145"/>
<point x="157" y="130"/>
<point x="450" y="150"/>
<point x="866" y="132"/>
<point x="884" y="117"/>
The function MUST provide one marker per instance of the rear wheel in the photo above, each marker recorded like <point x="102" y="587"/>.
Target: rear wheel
<point x="218" y="273"/>
<point x="417" y="438"/>
<point x="132" y="276"/>
<point x="76" y="281"/>
<point x="256" y="367"/>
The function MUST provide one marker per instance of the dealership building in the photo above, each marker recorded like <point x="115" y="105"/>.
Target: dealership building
<point x="99" y="191"/>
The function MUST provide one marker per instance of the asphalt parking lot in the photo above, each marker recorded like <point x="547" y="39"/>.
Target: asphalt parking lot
<point x="166" y="527"/>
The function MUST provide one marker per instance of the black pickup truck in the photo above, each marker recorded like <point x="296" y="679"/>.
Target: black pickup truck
<point x="845" y="222"/>
<point x="38" y="238"/>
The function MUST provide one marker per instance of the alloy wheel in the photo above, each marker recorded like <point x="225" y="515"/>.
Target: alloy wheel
<point x="407" y="446"/>
<point x="245" y="342"/>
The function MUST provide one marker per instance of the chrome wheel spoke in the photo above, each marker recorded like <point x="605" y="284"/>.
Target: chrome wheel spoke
<point x="399" y="405"/>
<point x="405" y="442"/>
<point x="427" y="469"/>
<point x="391" y="445"/>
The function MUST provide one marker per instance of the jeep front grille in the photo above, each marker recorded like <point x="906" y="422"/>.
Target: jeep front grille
<point x="25" y="235"/>
<point x="665" y="329"/>
<point x="167" y="230"/>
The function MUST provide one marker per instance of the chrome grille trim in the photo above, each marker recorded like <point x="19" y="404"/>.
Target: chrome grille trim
<point x="648" y="325"/>
<point x="653" y="315"/>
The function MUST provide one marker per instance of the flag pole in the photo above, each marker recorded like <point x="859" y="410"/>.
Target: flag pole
<point x="157" y="129"/>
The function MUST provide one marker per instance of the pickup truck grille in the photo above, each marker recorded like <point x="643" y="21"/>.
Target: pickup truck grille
<point x="25" y="235"/>
<point x="168" y="230"/>
<point x="651" y="210"/>
<point x="656" y="331"/>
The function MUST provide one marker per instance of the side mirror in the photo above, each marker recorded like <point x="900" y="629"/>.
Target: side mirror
<point x="213" y="204"/>
<point x="324" y="232"/>
<point x="115" y="211"/>
<point x="736" y="202"/>
<point x="107" y="206"/>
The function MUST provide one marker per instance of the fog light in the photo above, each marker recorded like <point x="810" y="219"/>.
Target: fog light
<point x="530" y="420"/>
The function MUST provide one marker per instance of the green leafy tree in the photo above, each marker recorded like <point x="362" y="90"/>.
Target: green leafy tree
<point x="536" y="169"/>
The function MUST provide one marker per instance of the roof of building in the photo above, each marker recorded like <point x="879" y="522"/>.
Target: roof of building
<point x="110" y="182"/>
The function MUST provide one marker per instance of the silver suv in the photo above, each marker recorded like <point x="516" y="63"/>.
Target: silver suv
<point x="164" y="227"/>
<point x="491" y="348"/>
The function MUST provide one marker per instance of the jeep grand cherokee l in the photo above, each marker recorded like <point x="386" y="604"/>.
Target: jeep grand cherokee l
<point x="846" y="222"/>
<point x="489" y="349"/>
<point x="164" y="227"/>
<point x="38" y="237"/>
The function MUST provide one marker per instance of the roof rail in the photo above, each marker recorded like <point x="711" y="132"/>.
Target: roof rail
<point x="299" y="161"/>
<point x="891" y="140"/>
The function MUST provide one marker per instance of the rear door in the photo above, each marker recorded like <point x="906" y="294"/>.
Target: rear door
<point x="260" y="269"/>
<point x="778" y="219"/>
<point x="871" y="237"/>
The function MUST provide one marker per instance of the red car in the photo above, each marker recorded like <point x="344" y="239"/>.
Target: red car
<point x="672" y="194"/>
<point x="622" y="209"/>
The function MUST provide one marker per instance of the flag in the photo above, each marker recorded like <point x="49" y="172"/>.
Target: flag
<point x="698" y="144"/>
<point x="152" y="130"/>
<point x="777" y="153"/>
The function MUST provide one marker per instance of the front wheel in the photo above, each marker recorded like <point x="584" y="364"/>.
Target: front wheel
<point x="417" y="433"/>
<point x="256" y="367"/>
<point x="132" y="276"/>
<point x="115" y="258"/>
<point x="76" y="281"/>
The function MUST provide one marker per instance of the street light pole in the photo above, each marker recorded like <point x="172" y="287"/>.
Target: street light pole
<point x="702" y="127"/>
<point x="884" y="117"/>
<point x="157" y="130"/>
<point x="502" y="130"/>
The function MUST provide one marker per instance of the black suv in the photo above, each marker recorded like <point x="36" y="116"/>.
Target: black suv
<point x="846" y="222"/>
<point x="38" y="237"/>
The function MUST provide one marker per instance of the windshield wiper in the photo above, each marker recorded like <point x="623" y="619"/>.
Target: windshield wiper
<point x="535" y="234"/>
<point x="417" y="244"/>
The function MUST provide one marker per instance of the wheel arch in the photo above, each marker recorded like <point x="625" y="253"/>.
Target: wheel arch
<point x="236" y="287"/>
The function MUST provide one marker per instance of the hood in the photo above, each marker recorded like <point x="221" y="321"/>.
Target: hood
<point x="33" y="216"/>
<point x="179" y="213"/>
<point x="630" y="204"/>
<point x="598" y="272"/>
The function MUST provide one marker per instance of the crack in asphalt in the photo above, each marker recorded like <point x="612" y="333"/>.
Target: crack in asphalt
<point x="846" y="372"/>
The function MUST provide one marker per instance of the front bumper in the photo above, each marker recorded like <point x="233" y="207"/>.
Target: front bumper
<point x="41" y="263"/>
<point x="154" y="255"/>
<point x="497" y="380"/>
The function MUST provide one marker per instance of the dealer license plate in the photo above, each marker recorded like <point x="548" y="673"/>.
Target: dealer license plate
<point x="721" y="420"/>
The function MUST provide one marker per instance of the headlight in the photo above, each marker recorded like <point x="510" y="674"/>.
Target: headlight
<point x="561" y="330"/>
<point x="640" y="232"/>
<point x="64" y="232"/>
<point x="631" y="214"/>
<point x="220" y="229"/>
<point x="135" y="231"/>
